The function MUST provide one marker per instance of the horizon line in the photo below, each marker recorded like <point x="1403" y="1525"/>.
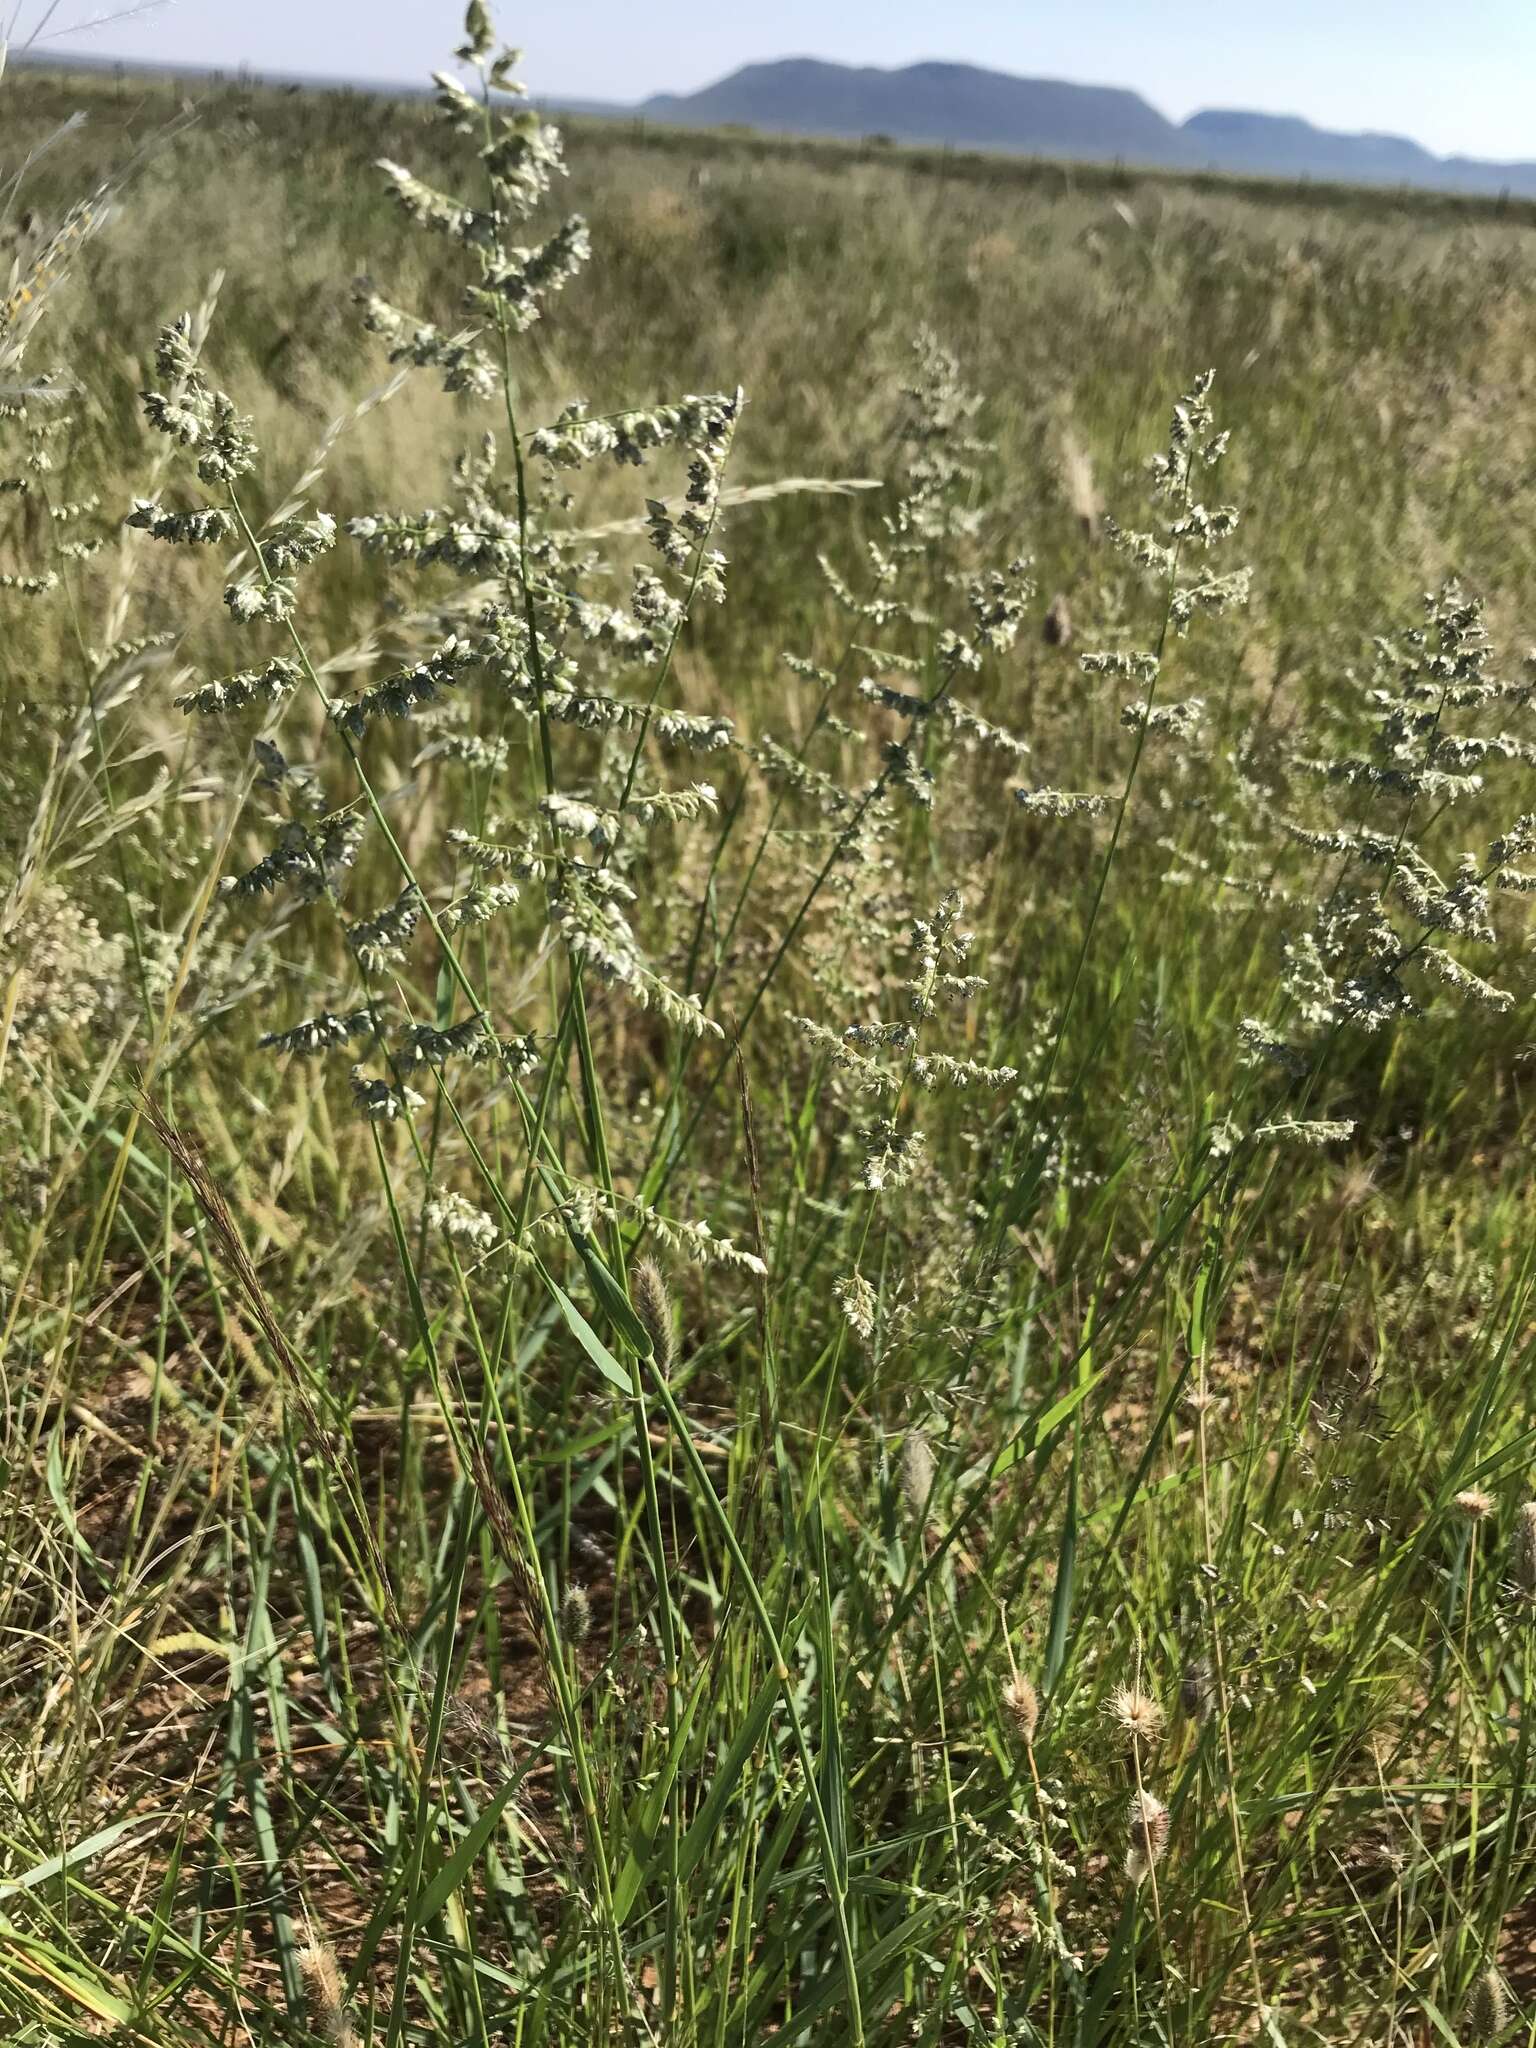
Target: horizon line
<point x="38" y="57"/>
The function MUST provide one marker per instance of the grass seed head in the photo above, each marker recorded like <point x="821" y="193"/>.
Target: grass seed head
<point x="575" y="1615"/>
<point x="322" y="1973"/>
<point x="653" y="1305"/>
<point x="1023" y="1703"/>
<point x="1487" y="2006"/>
<point x="1137" y="1714"/>
<point x="1146" y="1824"/>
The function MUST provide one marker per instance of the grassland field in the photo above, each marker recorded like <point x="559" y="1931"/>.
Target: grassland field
<point x="861" y="1369"/>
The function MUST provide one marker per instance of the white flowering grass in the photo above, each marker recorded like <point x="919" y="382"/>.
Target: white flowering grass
<point x="759" y="1239"/>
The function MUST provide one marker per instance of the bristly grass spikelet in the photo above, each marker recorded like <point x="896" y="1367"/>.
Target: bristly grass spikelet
<point x="1147" y="1822"/>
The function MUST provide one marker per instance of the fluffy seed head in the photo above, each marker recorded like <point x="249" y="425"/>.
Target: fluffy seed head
<point x="575" y="1615"/>
<point x="1476" y="1505"/>
<point x="1023" y="1702"/>
<point x="653" y="1305"/>
<point x="1137" y="1714"/>
<point x="1487" y="2006"/>
<point x="1146" y="1824"/>
<point x="317" y="1961"/>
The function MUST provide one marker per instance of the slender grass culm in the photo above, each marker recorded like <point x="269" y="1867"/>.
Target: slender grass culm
<point x="765" y="1264"/>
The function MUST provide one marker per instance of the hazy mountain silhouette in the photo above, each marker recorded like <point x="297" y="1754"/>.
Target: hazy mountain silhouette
<point x="957" y="103"/>
<point x="972" y="108"/>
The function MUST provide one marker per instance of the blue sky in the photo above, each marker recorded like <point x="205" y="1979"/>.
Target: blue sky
<point x="1457" y="78"/>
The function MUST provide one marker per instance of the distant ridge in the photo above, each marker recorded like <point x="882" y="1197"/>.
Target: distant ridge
<point x="956" y="103"/>
<point x="971" y="108"/>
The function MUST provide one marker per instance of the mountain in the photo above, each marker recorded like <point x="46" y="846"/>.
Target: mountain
<point x="953" y="103"/>
<point x="1282" y="145"/>
<point x="968" y="107"/>
<point x="1288" y="147"/>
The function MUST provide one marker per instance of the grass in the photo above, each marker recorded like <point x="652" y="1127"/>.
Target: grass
<point x="423" y="1623"/>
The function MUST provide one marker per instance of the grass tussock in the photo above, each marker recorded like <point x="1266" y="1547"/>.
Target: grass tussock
<point x="764" y="997"/>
